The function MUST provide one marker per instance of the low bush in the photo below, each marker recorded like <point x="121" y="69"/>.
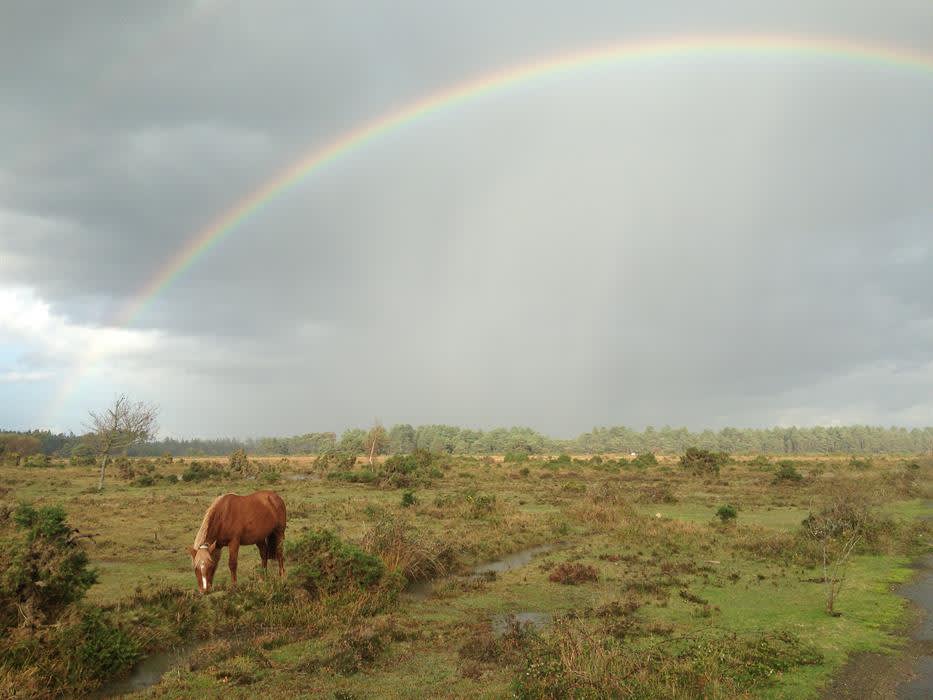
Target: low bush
<point x="562" y="460"/>
<point x="645" y="459"/>
<point x="703" y="461"/>
<point x="727" y="513"/>
<point x="787" y="473"/>
<point x="203" y="471"/>
<point x="515" y="457"/>
<point x="405" y="550"/>
<point x="37" y="461"/>
<point x="324" y="564"/>
<point x="335" y="461"/>
<point x="42" y="569"/>
<point x="364" y="476"/>
<point x="408" y="499"/>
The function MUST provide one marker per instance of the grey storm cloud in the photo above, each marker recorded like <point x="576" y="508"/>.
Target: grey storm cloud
<point x="719" y="240"/>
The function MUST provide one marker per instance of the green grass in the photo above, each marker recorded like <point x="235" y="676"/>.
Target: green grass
<point x="142" y="535"/>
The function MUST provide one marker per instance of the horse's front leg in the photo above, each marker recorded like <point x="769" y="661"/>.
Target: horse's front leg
<point x="234" y="550"/>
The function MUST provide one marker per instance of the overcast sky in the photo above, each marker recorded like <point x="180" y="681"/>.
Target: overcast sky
<point x="704" y="240"/>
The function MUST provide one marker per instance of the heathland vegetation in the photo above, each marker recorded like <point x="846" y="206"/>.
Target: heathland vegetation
<point x="429" y="574"/>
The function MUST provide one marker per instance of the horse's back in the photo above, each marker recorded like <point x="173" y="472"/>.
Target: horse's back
<point x="253" y="517"/>
<point x="275" y="502"/>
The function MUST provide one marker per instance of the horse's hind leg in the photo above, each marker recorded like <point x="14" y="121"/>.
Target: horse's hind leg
<point x="279" y="555"/>
<point x="263" y="552"/>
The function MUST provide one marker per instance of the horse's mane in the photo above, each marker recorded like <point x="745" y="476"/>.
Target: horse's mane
<point x="201" y="537"/>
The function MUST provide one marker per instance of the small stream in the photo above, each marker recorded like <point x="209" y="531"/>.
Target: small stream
<point x="146" y="672"/>
<point x="920" y="592"/>
<point x="422" y="590"/>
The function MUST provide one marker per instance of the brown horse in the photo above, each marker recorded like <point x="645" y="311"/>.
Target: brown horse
<point x="233" y="520"/>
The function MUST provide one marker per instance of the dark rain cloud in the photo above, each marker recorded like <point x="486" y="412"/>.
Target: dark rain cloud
<point x="703" y="241"/>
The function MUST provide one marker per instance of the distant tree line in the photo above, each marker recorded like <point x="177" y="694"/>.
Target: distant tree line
<point x="404" y="438"/>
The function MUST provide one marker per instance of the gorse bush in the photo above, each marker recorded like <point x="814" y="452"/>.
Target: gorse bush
<point x="645" y="459"/>
<point x="102" y="647"/>
<point x="727" y="513"/>
<point x="324" y="564"/>
<point x="37" y="461"/>
<point x="515" y="457"/>
<point x="787" y="473"/>
<point x="203" y="471"/>
<point x="43" y="570"/>
<point x="703" y="461"/>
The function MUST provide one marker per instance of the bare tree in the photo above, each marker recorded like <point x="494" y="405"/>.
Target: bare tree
<point x="838" y="528"/>
<point x="376" y="441"/>
<point x="121" y="426"/>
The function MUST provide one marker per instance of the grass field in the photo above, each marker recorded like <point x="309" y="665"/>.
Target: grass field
<point x="673" y="585"/>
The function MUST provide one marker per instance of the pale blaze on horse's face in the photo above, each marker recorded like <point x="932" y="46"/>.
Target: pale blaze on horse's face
<point x="204" y="565"/>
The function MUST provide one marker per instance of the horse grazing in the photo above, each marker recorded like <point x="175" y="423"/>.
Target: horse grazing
<point x="232" y="520"/>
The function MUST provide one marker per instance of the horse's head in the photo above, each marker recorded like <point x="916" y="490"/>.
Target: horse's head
<point x="204" y="565"/>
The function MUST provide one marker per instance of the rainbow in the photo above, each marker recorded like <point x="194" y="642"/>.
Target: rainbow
<point x="357" y="138"/>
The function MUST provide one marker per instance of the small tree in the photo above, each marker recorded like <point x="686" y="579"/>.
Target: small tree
<point x="121" y="426"/>
<point x="838" y="528"/>
<point x="376" y="441"/>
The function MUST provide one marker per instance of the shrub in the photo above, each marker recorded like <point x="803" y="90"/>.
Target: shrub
<point x="645" y="459"/>
<point x="572" y="574"/>
<point x="562" y="460"/>
<point x="324" y="564"/>
<point x="515" y="457"/>
<point x="760" y="461"/>
<point x="200" y="471"/>
<point x="45" y="572"/>
<point x="408" y="499"/>
<point x="703" y="461"/>
<point x="727" y="513"/>
<point x="102" y="647"/>
<point x="37" y="460"/>
<point x="787" y="473"/>
<point x="335" y="461"/>
<point x="269" y="476"/>
<point x="239" y="462"/>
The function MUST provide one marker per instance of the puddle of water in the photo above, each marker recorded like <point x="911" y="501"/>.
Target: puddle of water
<point x="501" y="623"/>
<point x="422" y="590"/>
<point x="512" y="561"/>
<point x="146" y="673"/>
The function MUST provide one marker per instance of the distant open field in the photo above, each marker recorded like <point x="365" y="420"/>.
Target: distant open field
<point x="651" y="592"/>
